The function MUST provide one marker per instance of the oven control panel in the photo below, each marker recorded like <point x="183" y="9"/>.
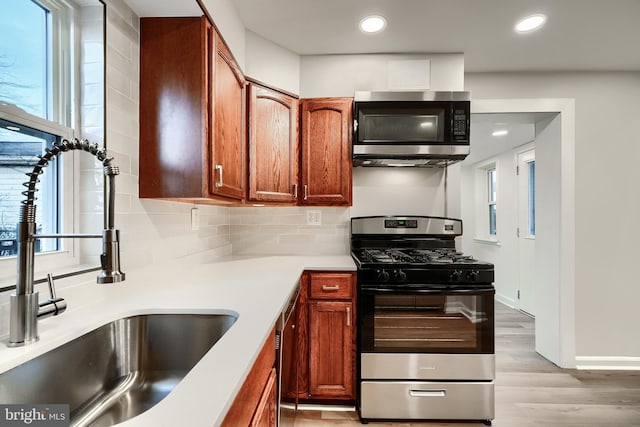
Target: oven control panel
<point x="400" y="223"/>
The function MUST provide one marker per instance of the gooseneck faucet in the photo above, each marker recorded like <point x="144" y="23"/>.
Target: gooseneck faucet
<point x="25" y="308"/>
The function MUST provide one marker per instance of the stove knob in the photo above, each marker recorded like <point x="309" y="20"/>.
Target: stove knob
<point x="472" y="276"/>
<point x="399" y="275"/>
<point x="383" y="275"/>
<point x="455" y="276"/>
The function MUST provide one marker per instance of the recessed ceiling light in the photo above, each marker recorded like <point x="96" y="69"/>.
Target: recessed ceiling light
<point x="373" y="24"/>
<point x="530" y="23"/>
<point x="501" y="132"/>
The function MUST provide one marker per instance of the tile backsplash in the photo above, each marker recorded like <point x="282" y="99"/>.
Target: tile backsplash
<point x="286" y="231"/>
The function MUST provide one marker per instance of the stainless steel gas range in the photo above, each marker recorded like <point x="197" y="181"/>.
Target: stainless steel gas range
<point x="425" y="321"/>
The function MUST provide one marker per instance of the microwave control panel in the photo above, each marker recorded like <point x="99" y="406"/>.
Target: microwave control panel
<point x="460" y="121"/>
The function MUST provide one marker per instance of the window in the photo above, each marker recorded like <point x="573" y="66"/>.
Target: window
<point x="531" y="208"/>
<point x="36" y="70"/>
<point x="19" y="150"/>
<point x="491" y="199"/>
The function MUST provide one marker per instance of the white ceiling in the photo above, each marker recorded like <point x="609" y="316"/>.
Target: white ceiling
<point x="521" y="129"/>
<point x="578" y="35"/>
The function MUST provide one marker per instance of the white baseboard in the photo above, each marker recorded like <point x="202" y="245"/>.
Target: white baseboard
<point x="612" y="363"/>
<point x="509" y="302"/>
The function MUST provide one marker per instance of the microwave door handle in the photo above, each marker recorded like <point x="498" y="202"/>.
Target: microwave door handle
<point x="355" y="125"/>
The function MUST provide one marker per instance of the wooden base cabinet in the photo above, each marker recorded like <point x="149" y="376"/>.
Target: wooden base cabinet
<point x="326" y="345"/>
<point x="256" y="404"/>
<point x="330" y="358"/>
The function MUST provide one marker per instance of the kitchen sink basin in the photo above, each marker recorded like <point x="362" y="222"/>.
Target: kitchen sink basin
<point x="118" y="370"/>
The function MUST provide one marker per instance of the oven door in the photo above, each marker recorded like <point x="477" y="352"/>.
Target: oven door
<point x="426" y="319"/>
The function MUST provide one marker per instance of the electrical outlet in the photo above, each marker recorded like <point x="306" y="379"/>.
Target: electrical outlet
<point x="195" y="219"/>
<point x="314" y="218"/>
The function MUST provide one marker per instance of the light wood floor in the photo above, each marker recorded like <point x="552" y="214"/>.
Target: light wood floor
<point x="531" y="391"/>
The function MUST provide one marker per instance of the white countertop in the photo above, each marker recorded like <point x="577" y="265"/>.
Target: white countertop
<point x="254" y="288"/>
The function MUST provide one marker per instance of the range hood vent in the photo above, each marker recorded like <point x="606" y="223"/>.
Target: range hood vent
<point x="398" y="163"/>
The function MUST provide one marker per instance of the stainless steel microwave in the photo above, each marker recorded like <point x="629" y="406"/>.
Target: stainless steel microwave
<point x="410" y="128"/>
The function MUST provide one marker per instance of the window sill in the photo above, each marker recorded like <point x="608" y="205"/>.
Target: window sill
<point x="487" y="241"/>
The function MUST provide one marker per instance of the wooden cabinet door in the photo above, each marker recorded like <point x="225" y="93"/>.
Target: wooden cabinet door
<point x="228" y="145"/>
<point x="174" y="115"/>
<point x="273" y="145"/>
<point x="331" y="367"/>
<point x="326" y="151"/>
<point x="266" y="414"/>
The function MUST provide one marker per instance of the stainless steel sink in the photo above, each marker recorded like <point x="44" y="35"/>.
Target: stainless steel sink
<point x="118" y="370"/>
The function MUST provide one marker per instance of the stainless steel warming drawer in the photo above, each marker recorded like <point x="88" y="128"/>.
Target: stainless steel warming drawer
<point x="427" y="366"/>
<point x="427" y="400"/>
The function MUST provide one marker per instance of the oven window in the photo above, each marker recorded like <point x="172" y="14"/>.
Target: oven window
<point x="429" y="323"/>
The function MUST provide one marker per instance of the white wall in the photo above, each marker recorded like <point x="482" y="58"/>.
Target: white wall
<point x="230" y="26"/>
<point x="272" y="64"/>
<point x="606" y="206"/>
<point x="398" y="191"/>
<point x="341" y="75"/>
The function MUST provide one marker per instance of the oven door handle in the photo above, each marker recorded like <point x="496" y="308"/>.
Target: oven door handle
<point x="425" y="290"/>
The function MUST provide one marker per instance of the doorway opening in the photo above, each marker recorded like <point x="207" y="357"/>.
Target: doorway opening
<point x="533" y="208"/>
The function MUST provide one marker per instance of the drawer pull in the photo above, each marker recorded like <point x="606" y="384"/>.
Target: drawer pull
<point x="330" y="288"/>
<point x="427" y="393"/>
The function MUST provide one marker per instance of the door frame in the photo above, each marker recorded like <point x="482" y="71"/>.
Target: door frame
<point x="555" y="331"/>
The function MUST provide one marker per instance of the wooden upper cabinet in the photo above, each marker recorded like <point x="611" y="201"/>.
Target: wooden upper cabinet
<point x="326" y="151"/>
<point x="174" y="118"/>
<point x="228" y="146"/>
<point x="192" y="113"/>
<point x="273" y="145"/>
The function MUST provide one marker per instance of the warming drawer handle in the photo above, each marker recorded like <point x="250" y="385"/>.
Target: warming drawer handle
<point x="330" y="288"/>
<point x="427" y="393"/>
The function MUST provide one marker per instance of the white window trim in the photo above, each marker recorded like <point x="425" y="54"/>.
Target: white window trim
<point x="481" y="202"/>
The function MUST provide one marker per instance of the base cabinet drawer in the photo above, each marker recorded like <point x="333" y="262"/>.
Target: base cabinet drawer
<point x="427" y="400"/>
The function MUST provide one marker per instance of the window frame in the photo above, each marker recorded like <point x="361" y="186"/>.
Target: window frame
<point x="492" y="200"/>
<point x="64" y="81"/>
<point x="483" y="201"/>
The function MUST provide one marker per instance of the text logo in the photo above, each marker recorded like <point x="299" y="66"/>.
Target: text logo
<point x="54" y="415"/>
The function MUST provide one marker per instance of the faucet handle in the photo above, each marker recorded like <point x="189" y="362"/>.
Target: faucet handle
<point x="52" y="286"/>
<point x="54" y="305"/>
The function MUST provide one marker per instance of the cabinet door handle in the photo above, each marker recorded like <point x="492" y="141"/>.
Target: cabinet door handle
<point x="306" y="192"/>
<point x="330" y="288"/>
<point x="295" y="191"/>
<point x="219" y="169"/>
<point x="348" y="316"/>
